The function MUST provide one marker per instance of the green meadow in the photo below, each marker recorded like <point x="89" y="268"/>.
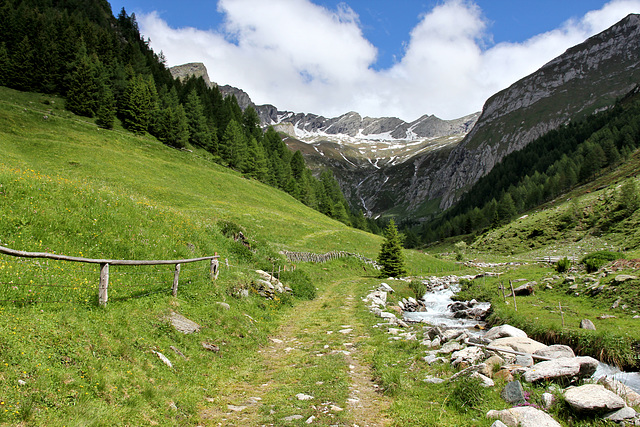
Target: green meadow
<point x="68" y="187"/>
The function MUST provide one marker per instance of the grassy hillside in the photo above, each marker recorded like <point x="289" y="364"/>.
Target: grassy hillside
<point x="68" y="187"/>
<point x="76" y="151"/>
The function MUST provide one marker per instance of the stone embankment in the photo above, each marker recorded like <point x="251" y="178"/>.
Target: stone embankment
<point x="506" y="353"/>
<point x="329" y="256"/>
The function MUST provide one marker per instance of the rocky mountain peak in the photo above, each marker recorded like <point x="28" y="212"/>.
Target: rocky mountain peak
<point x="196" y="69"/>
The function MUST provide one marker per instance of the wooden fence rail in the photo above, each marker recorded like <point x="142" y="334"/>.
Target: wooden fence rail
<point x="105" y="263"/>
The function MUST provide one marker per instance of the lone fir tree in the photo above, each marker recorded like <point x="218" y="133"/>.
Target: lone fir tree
<point x="390" y="257"/>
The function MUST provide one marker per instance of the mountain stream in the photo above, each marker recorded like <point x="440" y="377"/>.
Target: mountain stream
<point x="437" y="303"/>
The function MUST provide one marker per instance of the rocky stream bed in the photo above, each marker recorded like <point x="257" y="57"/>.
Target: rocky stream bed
<point x="451" y="335"/>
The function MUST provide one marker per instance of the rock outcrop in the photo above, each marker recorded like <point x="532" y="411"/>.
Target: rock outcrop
<point x="586" y="78"/>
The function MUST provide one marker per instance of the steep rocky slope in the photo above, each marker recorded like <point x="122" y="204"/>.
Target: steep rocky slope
<point x="388" y="166"/>
<point x="586" y="78"/>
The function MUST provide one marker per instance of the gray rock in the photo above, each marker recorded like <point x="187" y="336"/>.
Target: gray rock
<point x="223" y="305"/>
<point x="524" y="361"/>
<point x="625" y="413"/>
<point x="468" y="355"/>
<point x="485" y="382"/>
<point x="513" y="392"/>
<point x="432" y="358"/>
<point x="525" y="290"/>
<point x="302" y="396"/>
<point x="592" y="398"/>
<point x="503" y="331"/>
<point x="182" y="324"/>
<point x="556" y="351"/>
<point x="548" y="400"/>
<point x="521" y="344"/>
<point x="498" y="423"/>
<point x="629" y="395"/>
<point x="524" y="416"/>
<point x="377" y="298"/>
<point x="450" y="347"/>
<point x="562" y="368"/>
<point x="433" y="380"/>
<point x="387" y="315"/>
<point x="292" y="418"/>
<point x="587" y="324"/>
<point x="385" y="288"/>
<point x="450" y="334"/>
<point x="621" y="278"/>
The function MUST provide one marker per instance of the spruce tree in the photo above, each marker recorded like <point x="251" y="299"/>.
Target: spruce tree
<point x="106" y="114"/>
<point x="84" y="86"/>
<point x="5" y="70"/>
<point x="390" y="257"/>
<point x="199" y="132"/>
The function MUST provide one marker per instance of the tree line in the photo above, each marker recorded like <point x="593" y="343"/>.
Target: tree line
<point x="106" y="70"/>
<point x="546" y="168"/>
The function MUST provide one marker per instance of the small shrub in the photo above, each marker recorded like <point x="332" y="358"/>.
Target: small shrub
<point x="300" y="282"/>
<point x="595" y="260"/>
<point x="467" y="394"/>
<point x="230" y="229"/>
<point x="418" y="288"/>
<point x="563" y="265"/>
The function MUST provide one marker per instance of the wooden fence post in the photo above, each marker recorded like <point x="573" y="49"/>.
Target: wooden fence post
<point x="561" y="313"/>
<point x="176" y="277"/>
<point x="103" y="296"/>
<point x="214" y="268"/>
<point x="513" y="293"/>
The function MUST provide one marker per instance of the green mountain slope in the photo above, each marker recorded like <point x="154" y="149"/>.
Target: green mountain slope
<point x="116" y="161"/>
<point x="71" y="188"/>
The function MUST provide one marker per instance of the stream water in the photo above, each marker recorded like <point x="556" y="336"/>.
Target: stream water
<point x="437" y="302"/>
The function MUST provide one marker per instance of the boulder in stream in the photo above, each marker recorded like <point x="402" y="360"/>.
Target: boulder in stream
<point x="503" y="331"/>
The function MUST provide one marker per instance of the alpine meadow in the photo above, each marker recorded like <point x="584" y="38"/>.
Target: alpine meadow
<point x="173" y="254"/>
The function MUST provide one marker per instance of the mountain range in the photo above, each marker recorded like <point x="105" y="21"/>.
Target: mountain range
<point x="387" y="166"/>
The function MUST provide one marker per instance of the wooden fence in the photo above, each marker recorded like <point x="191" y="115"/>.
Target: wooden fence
<point x="103" y="288"/>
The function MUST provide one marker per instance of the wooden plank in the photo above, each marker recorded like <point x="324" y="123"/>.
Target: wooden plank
<point x="214" y="268"/>
<point x="23" y="254"/>
<point x="176" y="277"/>
<point x="103" y="288"/>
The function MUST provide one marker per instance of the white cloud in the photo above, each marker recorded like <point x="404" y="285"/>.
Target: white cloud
<point x="302" y="57"/>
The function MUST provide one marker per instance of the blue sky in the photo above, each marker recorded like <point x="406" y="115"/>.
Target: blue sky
<point x="401" y="58"/>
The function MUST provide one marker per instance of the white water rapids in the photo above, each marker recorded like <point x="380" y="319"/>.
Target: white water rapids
<point x="437" y="302"/>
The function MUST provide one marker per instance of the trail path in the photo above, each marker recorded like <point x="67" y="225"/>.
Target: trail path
<point x="312" y="372"/>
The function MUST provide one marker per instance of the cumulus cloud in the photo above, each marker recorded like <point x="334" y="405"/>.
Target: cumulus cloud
<point x="302" y="57"/>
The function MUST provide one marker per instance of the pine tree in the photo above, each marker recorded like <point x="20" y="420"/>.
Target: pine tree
<point x="5" y="70"/>
<point x="84" y="86"/>
<point x="390" y="257"/>
<point x="106" y="114"/>
<point x="138" y="104"/>
<point x="199" y="132"/>
<point x="233" y="146"/>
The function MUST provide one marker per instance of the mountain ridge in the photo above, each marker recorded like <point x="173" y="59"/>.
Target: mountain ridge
<point x="426" y="165"/>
